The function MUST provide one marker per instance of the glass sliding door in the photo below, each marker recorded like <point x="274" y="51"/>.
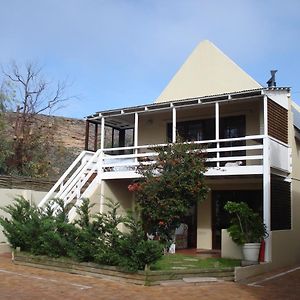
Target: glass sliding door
<point x="232" y="127"/>
<point x="195" y="130"/>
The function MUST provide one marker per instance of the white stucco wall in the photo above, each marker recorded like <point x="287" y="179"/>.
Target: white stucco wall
<point x="7" y="196"/>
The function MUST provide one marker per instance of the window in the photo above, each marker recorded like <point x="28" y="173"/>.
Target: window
<point x="196" y="130"/>
<point x="280" y="203"/>
<point x="232" y="127"/>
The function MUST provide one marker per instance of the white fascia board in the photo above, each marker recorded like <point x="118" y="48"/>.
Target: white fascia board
<point x="279" y="96"/>
<point x="240" y="170"/>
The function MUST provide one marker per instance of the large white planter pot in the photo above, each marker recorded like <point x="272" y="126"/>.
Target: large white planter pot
<point x="251" y="251"/>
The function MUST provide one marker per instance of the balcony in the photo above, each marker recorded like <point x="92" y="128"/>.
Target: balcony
<point x="235" y="131"/>
<point x="222" y="160"/>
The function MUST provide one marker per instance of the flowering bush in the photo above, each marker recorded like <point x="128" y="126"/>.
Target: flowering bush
<point x="170" y="187"/>
<point x="134" y="187"/>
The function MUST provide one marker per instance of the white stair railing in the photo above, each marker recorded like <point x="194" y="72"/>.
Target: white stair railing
<point x="72" y="190"/>
<point x="70" y="184"/>
<point x="61" y="183"/>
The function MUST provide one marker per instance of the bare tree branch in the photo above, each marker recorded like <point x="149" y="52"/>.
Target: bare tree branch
<point x="32" y="95"/>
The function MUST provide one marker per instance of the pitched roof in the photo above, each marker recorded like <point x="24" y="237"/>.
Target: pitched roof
<point x="207" y="71"/>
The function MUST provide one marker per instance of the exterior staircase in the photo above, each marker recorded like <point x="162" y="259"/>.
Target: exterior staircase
<point x="78" y="182"/>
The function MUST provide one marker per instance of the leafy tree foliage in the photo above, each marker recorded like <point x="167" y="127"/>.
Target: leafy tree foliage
<point x="170" y="187"/>
<point x="5" y="145"/>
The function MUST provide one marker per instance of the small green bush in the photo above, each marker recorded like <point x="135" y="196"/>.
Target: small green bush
<point x="90" y="238"/>
<point x="246" y="225"/>
<point x="23" y="227"/>
<point x="134" y="250"/>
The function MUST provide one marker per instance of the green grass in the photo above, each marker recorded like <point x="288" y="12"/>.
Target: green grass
<point x="182" y="262"/>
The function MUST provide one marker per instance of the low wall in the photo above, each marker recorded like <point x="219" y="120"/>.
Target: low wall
<point x="113" y="273"/>
<point x="280" y="240"/>
<point x="11" y="187"/>
<point x="242" y="273"/>
<point x="229" y="249"/>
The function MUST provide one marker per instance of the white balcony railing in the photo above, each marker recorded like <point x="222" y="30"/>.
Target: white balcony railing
<point x="224" y="157"/>
<point x="235" y="156"/>
<point x="280" y="155"/>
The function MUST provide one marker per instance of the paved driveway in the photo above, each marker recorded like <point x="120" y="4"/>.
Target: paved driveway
<point x="18" y="282"/>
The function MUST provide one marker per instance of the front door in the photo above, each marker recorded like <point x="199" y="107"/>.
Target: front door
<point x="191" y="221"/>
<point x="220" y="218"/>
<point x="186" y="233"/>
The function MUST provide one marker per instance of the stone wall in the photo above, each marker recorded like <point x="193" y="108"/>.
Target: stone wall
<point x="69" y="132"/>
<point x="66" y="134"/>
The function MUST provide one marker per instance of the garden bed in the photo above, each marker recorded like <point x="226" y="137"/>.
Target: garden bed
<point x="148" y="277"/>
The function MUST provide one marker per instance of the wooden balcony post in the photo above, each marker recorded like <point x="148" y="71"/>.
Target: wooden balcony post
<point x="102" y="133"/>
<point x="96" y="137"/>
<point x="122" y="138"/>
<point x="87" y="134"/>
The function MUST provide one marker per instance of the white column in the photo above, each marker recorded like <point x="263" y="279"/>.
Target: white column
<point x="217" y="125"/>
<point x="136" y="134"/>
<point x="267" y="184"/>
<point x="100" y="163"/>
<point x="173" y="125"/>
<point x="136" y="129"/>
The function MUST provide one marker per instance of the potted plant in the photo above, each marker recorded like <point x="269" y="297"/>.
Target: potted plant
<point x="247" y="228"/>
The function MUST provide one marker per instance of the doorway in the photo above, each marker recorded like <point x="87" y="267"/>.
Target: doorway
<point x="186" y="233"/>
<point x="220" y="218"/>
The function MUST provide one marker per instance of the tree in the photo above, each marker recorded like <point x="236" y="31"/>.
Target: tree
<point x="5" y="145"/>
<point x="26" y="95"/>
<point x="169" y="187"/>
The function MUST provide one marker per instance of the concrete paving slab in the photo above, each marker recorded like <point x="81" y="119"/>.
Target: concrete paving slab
<point x="199" y="279"/>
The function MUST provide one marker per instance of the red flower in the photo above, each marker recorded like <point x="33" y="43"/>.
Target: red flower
<point x="134" y="187"/>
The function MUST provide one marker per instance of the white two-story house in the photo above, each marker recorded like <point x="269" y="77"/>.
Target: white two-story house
<point x="252" y="135"/>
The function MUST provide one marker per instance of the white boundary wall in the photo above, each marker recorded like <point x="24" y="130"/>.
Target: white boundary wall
<point x="6" y="197"/>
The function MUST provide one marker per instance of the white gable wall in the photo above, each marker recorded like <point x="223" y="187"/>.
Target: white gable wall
<point x="207" y="71"/>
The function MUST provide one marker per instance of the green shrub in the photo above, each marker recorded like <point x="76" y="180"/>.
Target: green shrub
<point x="246" y="225"/>
<point x="135" y="251"/>
<point x="23" y="227"/>
<point x="90" y="238"/>
<point x="56" y="236"/>
<point x="87" y="239"/>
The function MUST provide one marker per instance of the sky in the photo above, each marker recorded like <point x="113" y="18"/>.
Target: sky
<point x="119" y="53"/>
